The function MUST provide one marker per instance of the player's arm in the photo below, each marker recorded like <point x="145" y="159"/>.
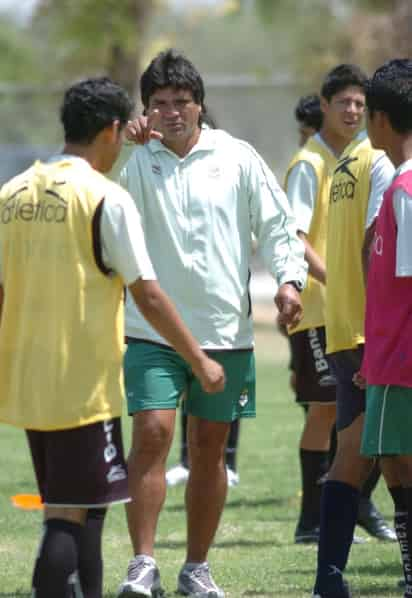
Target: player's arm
<point x="301" y="191"/>
<point x="124" y="251"/>
<point x="274" y="227"/>
<point x="137" y="132"/>
<point x="159" y="311"/>
<point x="402" y="205"/>
<point x="366" y="249"/>
<point x="380" y="178"/>
<point x="316" y="265"/>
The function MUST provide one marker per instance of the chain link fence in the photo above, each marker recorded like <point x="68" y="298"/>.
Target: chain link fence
<point x="260" y="113"/>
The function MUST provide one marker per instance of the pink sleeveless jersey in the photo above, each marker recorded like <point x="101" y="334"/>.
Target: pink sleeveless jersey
<point x="388" y="323"/>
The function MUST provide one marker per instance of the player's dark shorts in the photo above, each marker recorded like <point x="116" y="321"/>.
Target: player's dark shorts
<point x="315" y="382"/>
<point x="350" y="399"/>
<point x="80" y="467"/>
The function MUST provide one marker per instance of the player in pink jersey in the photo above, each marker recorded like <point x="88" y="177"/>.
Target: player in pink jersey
<point x="387" y="364"/>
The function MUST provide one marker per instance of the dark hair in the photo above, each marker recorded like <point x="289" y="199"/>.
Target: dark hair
<point x="341" y="77"/>
<point x="171" y="69"/>
<point x="308" y="111"/>
<point x="91" y="105"/>
<point x="390" y="91"/>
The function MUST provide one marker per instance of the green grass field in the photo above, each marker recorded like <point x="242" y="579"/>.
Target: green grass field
<point x="254" y="554"/>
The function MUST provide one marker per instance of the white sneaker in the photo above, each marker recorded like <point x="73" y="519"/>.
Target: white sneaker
<point x="198" y="583"/>
<point x="142" y="581"/>
<point x="177" y="475"/>
<point x="232" y="477"/>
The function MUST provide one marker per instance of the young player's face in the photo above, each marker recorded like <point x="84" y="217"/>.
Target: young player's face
<point x="343" y="114"/>
<point x="179" y="114"/>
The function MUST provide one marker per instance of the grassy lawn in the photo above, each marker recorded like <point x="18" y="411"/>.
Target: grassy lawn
<point x="254" y="554"/>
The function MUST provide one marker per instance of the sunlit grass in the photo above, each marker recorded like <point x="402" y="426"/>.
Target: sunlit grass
<point x="254" y="554"/>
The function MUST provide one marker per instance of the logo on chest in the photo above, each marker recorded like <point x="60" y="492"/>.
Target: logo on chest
<point x="214" y="171"/>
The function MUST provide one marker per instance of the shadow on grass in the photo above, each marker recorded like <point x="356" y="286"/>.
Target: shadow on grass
<point x="164" y="595"/>
<point x="224" y="544"/>
<point x="239" y="503"/>
<point x="382" y="568"/>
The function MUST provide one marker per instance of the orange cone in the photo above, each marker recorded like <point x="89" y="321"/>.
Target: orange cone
<point x="29" y="502"/>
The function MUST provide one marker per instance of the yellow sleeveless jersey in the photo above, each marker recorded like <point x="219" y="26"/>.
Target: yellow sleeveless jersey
<point x="61" y="333"/>
<point x="345" y="291"/>
<point x="323" y="163"/>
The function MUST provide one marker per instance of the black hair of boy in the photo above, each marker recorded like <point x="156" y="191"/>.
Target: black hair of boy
<point x="90" y="106"/>
<point x="390" y="91"/>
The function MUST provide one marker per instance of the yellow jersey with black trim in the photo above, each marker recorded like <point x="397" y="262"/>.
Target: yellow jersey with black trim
<point x="323" y="162"/>
<point x="61" y="332"/>
<point x="348" y="204"/>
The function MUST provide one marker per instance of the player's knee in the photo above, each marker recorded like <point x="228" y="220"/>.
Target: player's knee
<point x="151" y="435"/>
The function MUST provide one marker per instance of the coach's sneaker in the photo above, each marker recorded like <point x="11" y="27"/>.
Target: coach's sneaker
<point x="179" y="474"/>
<point x="143" y="579"/>
<point x="198" y="582"/>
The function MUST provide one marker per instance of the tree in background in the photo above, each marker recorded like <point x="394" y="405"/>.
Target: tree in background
<point x="381" y="30"/>
<point x="367" y="32"/>
<point x="101" y="36"/>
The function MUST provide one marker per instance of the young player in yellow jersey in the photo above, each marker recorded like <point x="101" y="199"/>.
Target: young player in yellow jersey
<point x="70" y="240"/>
<point x="360" y="178"/>
<point x="308" y="184"/>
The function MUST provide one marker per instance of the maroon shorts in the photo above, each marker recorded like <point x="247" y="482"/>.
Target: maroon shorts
<point x="80" y="467"/>
<point x="315" y="382"/>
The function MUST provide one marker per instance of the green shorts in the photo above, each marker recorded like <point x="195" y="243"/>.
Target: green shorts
<point x="388" y="416"/>
<point x="156" y="377"/>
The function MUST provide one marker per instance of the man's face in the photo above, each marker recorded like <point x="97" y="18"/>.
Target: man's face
<point x="343" y="114"/>
<point x="178" y="113"/>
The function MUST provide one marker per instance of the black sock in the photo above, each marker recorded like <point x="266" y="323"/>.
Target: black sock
<point x="370" y="484"/>
<point x="184" y="459"/>
<point x="90" y="554"/>
<point x="55" y="570"/>
<point x="232" y="442"/>
<point x="407" y="557"/>
<point x="314" y="465"/>
<point x="339" y="510"/>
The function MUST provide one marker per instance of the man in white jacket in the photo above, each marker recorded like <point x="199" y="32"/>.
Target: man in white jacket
<point x="201" y="194"/>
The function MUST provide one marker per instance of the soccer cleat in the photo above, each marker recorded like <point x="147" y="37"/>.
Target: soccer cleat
<point x="373" y="522"/>
<point x="342" y="592"/>
<point x="306" y="535"/>
<point x="232" y="477"/>
<point x="177" y="475"/>
<point x="310" y="535"/>
<point x="345" y="594"/>
<point x="198" y="583"/>
<point x="143" y="580"/>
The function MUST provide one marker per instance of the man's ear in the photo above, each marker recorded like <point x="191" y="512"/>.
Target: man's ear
<point x="111" y="132"/>
<point x="324" y="104"/>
